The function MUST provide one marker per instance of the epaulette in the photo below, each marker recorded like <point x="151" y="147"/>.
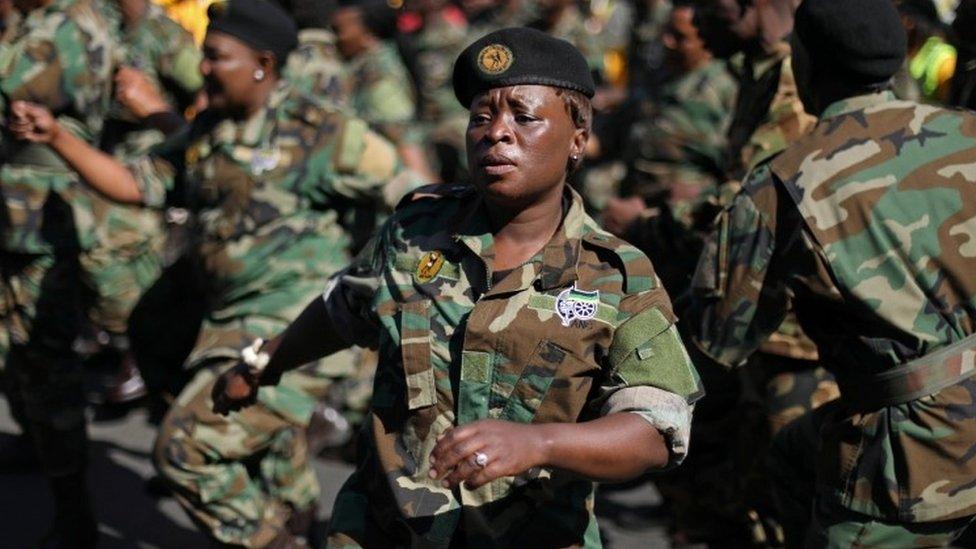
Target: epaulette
<point x="434" y="191"/>
<point x="639" y="273"/>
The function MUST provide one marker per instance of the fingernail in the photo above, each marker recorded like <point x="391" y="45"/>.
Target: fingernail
<point x="446" y="484"/>
<point x="432" y="473"/>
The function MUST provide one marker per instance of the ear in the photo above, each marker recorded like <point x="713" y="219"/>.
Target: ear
<point x="267" y="62"/>
<point x="578" y="147"/>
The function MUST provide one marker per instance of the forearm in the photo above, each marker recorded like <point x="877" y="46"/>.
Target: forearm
<point x="309" y="337"/>
<point x="103" y="172"/>
<point x="616" y="447"/>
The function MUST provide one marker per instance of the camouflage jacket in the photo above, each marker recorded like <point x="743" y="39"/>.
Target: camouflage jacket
<point x="61" y="57"/>
<point x="315" y="68"/>
<point x="768" y="114"/>
<point x="265" y="186"/>
<point x="581" y="330"/>
<point x="434" y="47"/>
<point x="159" y="48"/>
<point x="680" y="142"/>
<point x="380" y="91"/>
<point x="866" y="227"/>
<point x="572" y="28"/>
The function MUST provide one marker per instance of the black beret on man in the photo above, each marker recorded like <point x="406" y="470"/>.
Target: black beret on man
<point x="864" y="40"/>
<point x="258" y="23"/>
<point x="519" y="55"/>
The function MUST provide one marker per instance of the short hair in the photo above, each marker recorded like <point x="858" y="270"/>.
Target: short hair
<point x="578" y="106"/>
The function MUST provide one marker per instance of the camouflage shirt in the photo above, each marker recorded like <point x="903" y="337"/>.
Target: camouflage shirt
<point x="268" y="185"/>
<point x="581" y="330"/>
<point x="315" y="68"/>
<point x="681" y="143"/>
<point x="380" y="91"/>
<point x="61" y="57"/>
<point x="159" y="48"/>
<point x="866" y="227"/>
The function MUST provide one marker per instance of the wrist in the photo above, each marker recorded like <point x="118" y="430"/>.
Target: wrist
<point x="545" y="443"/>
<point x="57" y="135"/>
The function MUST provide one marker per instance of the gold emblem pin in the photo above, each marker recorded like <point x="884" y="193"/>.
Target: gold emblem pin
<point x="430" y="264"/>
<point x="495" y="59"/>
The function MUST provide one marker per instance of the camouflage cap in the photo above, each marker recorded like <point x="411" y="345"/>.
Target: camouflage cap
<point x="519" y="55"/>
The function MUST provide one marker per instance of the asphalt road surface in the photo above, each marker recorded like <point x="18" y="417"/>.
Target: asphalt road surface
<point x="129" y="516"/>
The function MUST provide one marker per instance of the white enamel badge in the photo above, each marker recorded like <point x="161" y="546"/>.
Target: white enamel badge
<point x="575" y="304"/>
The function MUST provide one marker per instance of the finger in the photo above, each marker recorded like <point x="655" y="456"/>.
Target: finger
<point x="455" y="455"/>
<point x="465" y="469"/>
<point x="450" y="438"/>
<point x="484" y="475"/>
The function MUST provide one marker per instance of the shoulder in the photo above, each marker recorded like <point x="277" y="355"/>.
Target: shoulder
<point x="438" y="197"/>
<point x="610" y="259"/>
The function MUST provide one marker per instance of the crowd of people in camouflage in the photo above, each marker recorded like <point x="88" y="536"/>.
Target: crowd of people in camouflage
<point x="286" y="227"/>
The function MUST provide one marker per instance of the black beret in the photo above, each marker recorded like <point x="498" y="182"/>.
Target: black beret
<point x="258" y="23"/>
<point x="519" y="55"/>
<point x="864" y="40"/>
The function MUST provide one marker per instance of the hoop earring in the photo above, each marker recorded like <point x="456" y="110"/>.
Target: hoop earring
<point x="258" y="75"/>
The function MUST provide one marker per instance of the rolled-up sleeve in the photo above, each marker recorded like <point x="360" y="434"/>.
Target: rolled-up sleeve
<point x="350" y="294"/>
<point x="155" y="173"/>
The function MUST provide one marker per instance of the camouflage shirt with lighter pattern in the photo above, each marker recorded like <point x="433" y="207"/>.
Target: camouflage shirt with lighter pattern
<point x="867" y="225"/>
<point x="61" y="57"/>
<point x="380" y="91"/>
<point x="581" y="330"/>
<point x="262" y="187"/>
<point x="315" y="67"/>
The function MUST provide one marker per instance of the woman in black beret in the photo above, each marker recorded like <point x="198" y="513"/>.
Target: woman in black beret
<point x="264" y="170"/>
<point x="524" y="352"/>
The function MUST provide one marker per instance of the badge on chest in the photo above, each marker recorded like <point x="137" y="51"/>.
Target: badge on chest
<point x="575" y="304"/>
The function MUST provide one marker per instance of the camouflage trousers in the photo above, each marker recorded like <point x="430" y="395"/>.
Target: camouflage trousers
<point x="40" y="314"/>
<point x="713" y="496"/>
<point x="810" y="520"/>
<point x="239" y="477"/>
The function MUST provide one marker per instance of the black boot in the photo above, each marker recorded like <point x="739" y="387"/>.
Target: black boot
<point x="74" y="522"/>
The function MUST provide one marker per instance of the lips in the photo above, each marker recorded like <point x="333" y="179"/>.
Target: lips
<point x="496" y="164"/>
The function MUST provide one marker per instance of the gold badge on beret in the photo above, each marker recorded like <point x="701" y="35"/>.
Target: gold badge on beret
<point x="430" y="264"/>
<point x="495" y="59"/>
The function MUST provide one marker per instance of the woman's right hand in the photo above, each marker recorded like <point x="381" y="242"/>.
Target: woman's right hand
<point x="234" y="389"/>
<point x="138" y="94"/>
<point x="33" y="122"/>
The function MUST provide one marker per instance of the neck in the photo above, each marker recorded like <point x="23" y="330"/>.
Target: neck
<point x="520" y="233"/>
<point x="260" y="97"/>
<point x="134" y="13"/>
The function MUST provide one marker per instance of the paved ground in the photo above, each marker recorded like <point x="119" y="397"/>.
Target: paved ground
<point x="129" y="517"/>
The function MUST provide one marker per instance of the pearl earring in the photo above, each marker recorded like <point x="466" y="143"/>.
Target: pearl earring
<point x="258" y="75"/>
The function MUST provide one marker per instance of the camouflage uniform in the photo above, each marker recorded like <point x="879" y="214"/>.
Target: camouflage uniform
<point x="380" y="91"/>
<point x="715" y="492"/>
<point x="865" y="225"/>
<point x="432" y="49"/>
<point x="61" y="57"/>
<point x="128" y="256"/>
<point x="315" y="68"/>
<point x="674" y="162"/>
<point x="264" y="192"/>
<point x="512" y="349"/>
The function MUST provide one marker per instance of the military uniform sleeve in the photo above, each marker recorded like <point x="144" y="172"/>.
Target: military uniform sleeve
<point x="156" y="172"/>
<point x="32" y="69"/>
<point x="182" y="64"/>
<point x="650" y="373"/>
<point x="736" y="303"/>
<point x="369" y="166"/>
<point x="349" y="294"/>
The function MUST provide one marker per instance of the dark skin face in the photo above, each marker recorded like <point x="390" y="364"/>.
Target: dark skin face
<point x="685" y="49"/>
<point x="726" y="26"/>
<point x="519" y="141"/>
<point x="352" y="37"/>
<point x="228" y="67"/>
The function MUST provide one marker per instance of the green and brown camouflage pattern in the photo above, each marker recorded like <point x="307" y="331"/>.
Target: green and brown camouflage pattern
<point x="506" y="353"/>
<point x="864" y="226"/>
<point x="264" y="192"/>
<point x="680" y="140"/>
<point x="380" y="91"/>
<point x="61" y="57"/>
<point x="314" y="68"/>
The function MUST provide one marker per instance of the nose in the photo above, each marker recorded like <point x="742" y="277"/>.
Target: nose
<point x="500" y="130"/>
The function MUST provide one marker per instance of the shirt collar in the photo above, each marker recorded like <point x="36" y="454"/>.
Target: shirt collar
<point x="857" y="103"/>
<point x="554" y="266"/>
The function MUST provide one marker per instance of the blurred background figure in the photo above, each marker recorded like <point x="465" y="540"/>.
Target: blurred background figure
<point x="931" y="60"/>
<point x="315" y="66"/>
<point x="963" y="92"/>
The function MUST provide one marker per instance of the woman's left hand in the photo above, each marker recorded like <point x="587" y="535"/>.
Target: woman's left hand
<point x="510" y="449"/>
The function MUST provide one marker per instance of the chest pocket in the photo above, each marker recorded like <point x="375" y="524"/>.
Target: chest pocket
<point x="415" y="346"/>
